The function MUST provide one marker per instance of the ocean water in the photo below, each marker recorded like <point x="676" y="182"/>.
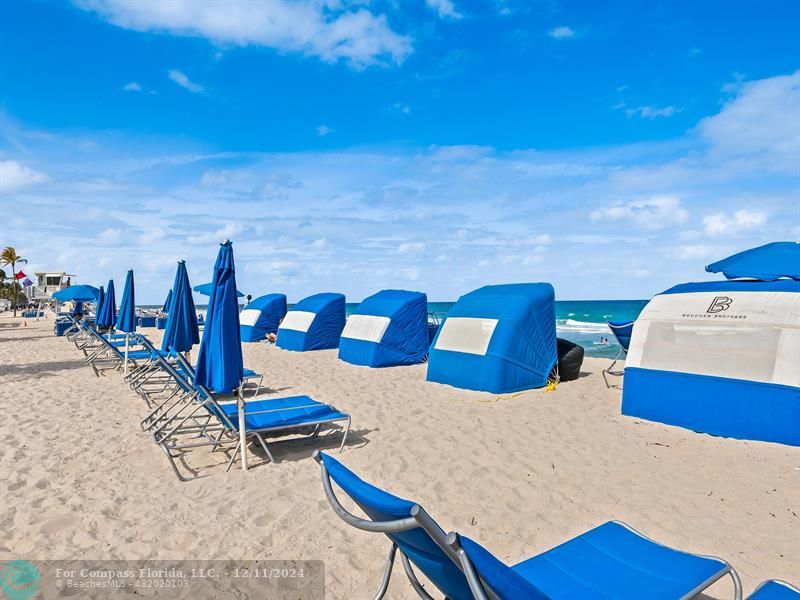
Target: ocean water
<point x="579" y="321"/>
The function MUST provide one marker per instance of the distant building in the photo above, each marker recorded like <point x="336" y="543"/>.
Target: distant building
<point x="46" y="284"/>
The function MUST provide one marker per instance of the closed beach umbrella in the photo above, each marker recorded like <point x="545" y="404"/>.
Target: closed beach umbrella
<point x="219" y="361"/>
<point x="101" y="297"/>
<point x="181" y="330"/>
<point x="107" y="312"/>
<point x="126" y="319"/>
<point x="167" y="301"/>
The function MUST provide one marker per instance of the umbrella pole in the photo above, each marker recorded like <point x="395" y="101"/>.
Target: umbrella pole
<point x="242" y="432"/>
<point x="127" y="338"/>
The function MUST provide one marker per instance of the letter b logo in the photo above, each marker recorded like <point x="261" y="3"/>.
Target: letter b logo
<point x="719" y="304"/>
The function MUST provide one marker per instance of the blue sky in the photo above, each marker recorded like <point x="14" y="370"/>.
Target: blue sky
<point x="612" y="149"/>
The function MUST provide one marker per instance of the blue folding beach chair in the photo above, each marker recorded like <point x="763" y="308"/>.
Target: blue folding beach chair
<point x="774" y="589"/>
<point x="609" y="561"/>
<point x="198" y="418"/>
<point x="622" y="330"/>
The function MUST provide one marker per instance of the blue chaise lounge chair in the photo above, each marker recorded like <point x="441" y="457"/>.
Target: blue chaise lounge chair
<point x="775" y="589"/>
<point x="622" y="331"/>
<point x="609" y="561"/>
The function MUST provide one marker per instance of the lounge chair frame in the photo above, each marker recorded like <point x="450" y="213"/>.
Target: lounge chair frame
<point x="786" y="584"/>
<point x="451" y="546"/>
<point x="200" y="417"/>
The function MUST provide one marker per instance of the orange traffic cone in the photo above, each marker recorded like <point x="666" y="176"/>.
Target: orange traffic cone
<point x="25" y="322"/>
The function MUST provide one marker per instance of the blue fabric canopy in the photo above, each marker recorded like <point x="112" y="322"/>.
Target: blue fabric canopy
<point x="498" y="338"/>
<point x="126" y="319"/>
<point x="262" y="317"/>
<point x="767" y="263"/>
<point x="219" y="362"/>
<point x="375" y="343"/>
<point x="205" y="289"/>
<point x="181" y="332"/>
<point x="101" y="297"/>
<point x="327" y="313"/>
<point x="165" y="308"/>
<point x="107" y="312"/>
<point x="86" y="293"/>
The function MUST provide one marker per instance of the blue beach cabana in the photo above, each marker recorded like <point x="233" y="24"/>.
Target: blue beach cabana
<point x="262" y="317"/>
<point x="498" y="338"/>
<point x="314" y="323"/>
<point x="719" y="357"/>
<point x="387" y="329"/>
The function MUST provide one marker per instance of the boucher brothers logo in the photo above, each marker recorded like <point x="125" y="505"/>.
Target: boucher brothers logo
<point x="718" y="309"/>
<point x="719" y="304"/>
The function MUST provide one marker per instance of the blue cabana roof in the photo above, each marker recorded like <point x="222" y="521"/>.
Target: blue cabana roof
<point x="262" y="317"/>
<point x="314" y="323"/>
<point x="85" y="293"/>
<point x="767" y="263"/>
<point x="498" y="338"/>
<point x="387" y="329"/>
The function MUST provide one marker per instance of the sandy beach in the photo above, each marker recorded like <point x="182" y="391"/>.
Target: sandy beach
<point x="518" y="473"/>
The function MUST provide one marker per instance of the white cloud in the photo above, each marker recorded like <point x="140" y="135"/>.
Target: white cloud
<point x="650" y="112"/>
<point x="182" y="80"/>
<point x="692" y="252"/>
<point x="562" y="33"/>
<point x="14" y="176"/>
<point x="742" y="220"/>
<point x="133" y="86"/>
<point x="330" y="30"/>
<point x="531" y="260"/>
<point x="759" y="125"/>
<point x="655" y="212"/>
<point x="542" y="239"/>
<point x="324" y="130"/>
<point x="228" y="231"/>
<point x="411" y="248"/>
<point x="446" y="9"/>
<point x="152" y="235"/>
<point x="412" y="274"/>
<point x="319" y="244"/>
<point x="452" y="207"/>
<point x="459" y="153"/>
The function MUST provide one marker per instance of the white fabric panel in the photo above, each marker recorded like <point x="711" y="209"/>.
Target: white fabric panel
<point x="466" y="334"/>
<point x="298" y="320"/>
<point x="753" y="336"/>
<point x="249" y="317"/>
<point x="369" y="328"/>
<point x="781" y="309"/>
<point x="787" y="367"/>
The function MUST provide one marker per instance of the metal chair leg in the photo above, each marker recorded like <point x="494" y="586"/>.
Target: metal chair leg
<point x="387" y="573"/>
